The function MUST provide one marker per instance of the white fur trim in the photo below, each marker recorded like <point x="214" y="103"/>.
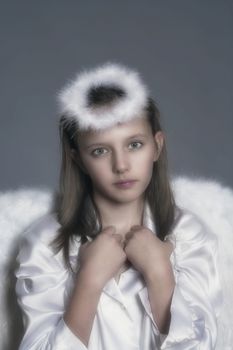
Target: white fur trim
<point x="73" y="97"/>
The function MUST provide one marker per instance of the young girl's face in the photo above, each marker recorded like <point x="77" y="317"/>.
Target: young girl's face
<point x="126" y="151"/>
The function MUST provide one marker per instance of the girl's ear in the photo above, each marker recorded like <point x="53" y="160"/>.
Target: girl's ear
<point x="159" y="141"/>
<point x="77" y="159"/>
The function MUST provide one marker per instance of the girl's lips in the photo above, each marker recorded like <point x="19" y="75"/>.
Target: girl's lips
<point x="125" y="184"/>
<point x="124" y="181"/>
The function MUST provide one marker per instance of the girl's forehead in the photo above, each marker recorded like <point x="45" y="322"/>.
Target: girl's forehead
<point x="121" y="130"/>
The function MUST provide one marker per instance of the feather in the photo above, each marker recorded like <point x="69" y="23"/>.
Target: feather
<point x="74" y="97"/>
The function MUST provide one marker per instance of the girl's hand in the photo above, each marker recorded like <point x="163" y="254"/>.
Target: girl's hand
<point x="101" y="259"/>
<point x="149" y="255"/>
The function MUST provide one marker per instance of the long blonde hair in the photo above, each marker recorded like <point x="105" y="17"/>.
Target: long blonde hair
<point x="73" y="204"/>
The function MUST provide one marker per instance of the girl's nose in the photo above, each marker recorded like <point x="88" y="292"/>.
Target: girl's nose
<point x="120" y="162"/>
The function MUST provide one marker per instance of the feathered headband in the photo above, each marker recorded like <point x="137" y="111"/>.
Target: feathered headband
<point x="104" y="96"/>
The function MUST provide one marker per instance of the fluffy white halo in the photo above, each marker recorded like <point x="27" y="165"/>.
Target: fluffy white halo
<point x="73" y="98"/>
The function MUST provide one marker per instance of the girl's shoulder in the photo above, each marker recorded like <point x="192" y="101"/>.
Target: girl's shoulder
<point x="193" y="241"/>
<point x="36" y="243"/>
<point x="44" y="229"/>
<point x="189" y="227"/>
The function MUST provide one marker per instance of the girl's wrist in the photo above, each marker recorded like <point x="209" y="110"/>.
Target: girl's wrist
<point x="159" y="273"/>
<point x="89" y="281"/>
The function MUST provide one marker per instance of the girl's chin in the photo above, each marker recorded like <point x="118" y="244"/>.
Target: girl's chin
<point x="125" y="198"/>
<point x="120" y="196"/>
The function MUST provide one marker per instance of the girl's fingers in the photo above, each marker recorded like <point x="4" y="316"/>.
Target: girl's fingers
<point x="129" y="235"/>
<point x="119" y="238"/>
<point x="135" y="228"/>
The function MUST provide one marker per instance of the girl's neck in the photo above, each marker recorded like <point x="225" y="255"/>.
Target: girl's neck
<point x="120" y="215"/>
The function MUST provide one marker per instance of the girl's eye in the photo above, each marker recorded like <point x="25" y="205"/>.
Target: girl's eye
<point x="136" y="144"/>
<point x="98" y="152"/>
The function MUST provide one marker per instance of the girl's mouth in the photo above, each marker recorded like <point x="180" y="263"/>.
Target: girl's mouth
<point x="125" y="184"/>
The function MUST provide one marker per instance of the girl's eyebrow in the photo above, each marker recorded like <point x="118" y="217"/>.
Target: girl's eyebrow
<point x="128" y="138"/>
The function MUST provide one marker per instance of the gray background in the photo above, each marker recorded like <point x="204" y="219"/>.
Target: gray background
<point x="182" y="48"/>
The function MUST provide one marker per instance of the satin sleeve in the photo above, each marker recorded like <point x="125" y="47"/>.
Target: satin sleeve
<point x="42" y="287"/>
<point x="197" y="296"/>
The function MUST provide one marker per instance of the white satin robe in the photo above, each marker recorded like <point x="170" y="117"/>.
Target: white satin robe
<point x="124" y="320"/>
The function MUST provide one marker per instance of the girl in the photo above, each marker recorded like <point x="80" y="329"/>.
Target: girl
<point x="116" y="264"/>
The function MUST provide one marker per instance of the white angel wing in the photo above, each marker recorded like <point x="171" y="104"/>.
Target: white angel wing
<point x="213" y="203"/>
<point x="17" y="210"/>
